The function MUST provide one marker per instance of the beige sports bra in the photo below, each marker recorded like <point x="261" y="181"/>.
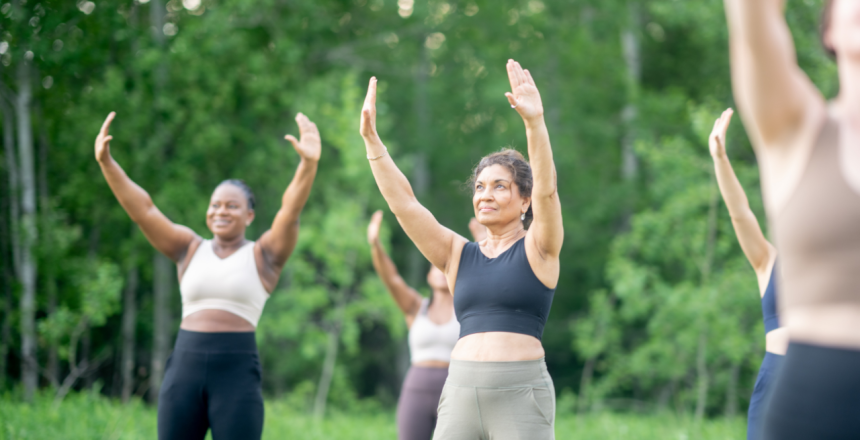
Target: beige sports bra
<point x="429" y="341"/>
<point x="818" y="231"/>
<point x="231" y="284"/>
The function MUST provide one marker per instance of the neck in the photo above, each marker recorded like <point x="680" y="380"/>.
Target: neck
<point x="849" y="87"/>
<point x="229" y="243"/>
<point x="503" y="236"/>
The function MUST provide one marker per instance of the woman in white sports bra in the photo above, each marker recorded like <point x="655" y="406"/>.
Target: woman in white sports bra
<point x="433" y="332"/>
<point x="213" y="378"/>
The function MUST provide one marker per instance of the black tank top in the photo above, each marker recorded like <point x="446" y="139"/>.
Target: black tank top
<point x="500" y="294"/>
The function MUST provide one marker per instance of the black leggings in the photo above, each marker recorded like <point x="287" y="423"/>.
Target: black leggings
<point x="419" y="401"/>
<point x="816" y="395"/>
<point x="212" y="380"/>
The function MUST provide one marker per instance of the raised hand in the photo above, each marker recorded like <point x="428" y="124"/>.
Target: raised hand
<point x="309" y="145"/>
<point x="717" y="139"/>
<point x="373" y="227"/>
<point x="524" y="95"/>
<point x="368" y="113"/>
<point x="103" y="140"/>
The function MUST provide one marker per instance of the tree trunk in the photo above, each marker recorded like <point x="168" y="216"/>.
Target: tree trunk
<point x="732" y="392"/>
<point x="420" y="178"/>
<point x="129" y="322"/>
<point x="29" y="362"/>
<point x="585" y="385"/>
<point x="328" y="365"/>
<point x="633" y="60"/>
<point x="48" y="278"/>
<point x="703" y="380"/>
<point x="161" y="290"/>
<point x="11" y="249"/>
<point x="14" y="185"/>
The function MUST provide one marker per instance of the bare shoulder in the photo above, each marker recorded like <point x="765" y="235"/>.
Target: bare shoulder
<point x="453" y="267"/>
<point x="545" y="266"/>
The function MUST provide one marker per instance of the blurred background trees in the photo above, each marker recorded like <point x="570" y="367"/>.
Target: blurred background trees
<point x="656" y="307"/>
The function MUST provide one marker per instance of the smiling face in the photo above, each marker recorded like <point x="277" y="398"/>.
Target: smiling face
<point x="843" y="31"/>
<point x="497" y="199"/>
<point x="228" y="215"/>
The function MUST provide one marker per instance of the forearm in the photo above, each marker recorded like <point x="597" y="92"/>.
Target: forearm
<point x="402" y="294"/>
<point x="134" y="199"/>
<point x="297" y="193"/>
<point x="730" y="188"/>
<point x="540" y="158"/>
<point x="393" y="184"/>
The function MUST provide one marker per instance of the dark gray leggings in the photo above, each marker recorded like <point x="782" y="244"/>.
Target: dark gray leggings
<point x="212" y="380"/>
<point x="419" y="400"/>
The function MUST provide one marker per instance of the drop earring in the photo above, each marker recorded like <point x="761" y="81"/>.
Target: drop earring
<point x="523" y="217"/>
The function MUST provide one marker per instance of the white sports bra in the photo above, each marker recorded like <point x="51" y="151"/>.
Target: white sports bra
<point x="429" y="341"/>
<point x="231" y="284"/>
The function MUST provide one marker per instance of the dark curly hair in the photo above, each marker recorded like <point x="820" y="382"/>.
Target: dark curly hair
<point x="826" y="18"/>
<point x="519" y="168"/>
<point x="252" y="201"/>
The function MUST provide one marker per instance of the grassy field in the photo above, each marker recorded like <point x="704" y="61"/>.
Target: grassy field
<point x="86" y="416"/>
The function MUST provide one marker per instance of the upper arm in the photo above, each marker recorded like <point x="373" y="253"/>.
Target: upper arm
<point x="170" y="239"/>
<point x="775" y="96"/>
<point x="547" y="228"/>
<point x="278" y="243"/>
<point x="437" y="243"/>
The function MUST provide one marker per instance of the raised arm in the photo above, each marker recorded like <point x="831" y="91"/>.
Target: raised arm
<point x="777" y="100"/>
<point x="167" y="237"/>
<point x="438" y="243"/>
<point x="546" y="230"/>
<point x="278" y="243"/>
<point x="758" y="250"/>
<point x="406" y="297"/>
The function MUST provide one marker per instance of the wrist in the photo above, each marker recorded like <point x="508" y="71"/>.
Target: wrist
<point x="535" y="122"/>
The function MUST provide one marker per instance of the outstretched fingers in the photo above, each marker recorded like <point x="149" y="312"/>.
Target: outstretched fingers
<point x="106" y="124"/>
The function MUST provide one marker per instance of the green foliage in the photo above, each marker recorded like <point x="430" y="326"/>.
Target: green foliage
<point x="89" y="416"/>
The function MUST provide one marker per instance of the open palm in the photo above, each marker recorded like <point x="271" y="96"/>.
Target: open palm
<point x="103" y="139"/>
<point x="717" y="139"/>
<point x="309" y="145"/>
<point x="524" y="95"/>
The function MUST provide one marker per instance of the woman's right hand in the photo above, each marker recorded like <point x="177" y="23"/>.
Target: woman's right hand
<point x="373" y="227"/>
<point x="103" y="140"/>
<point x="717" y="139"/>
<point x="368" y="114"/>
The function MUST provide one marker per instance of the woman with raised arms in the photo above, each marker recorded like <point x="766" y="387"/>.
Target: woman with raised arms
<point x="498" y="386"/>
<point x="809" y="155"/>
<point x="762" y="256"/>
<point x="213" y="378"/>
<point x="433" y="332"/>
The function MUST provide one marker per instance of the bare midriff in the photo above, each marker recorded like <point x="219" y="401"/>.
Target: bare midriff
<point x="498" y="347"/>
<point x="215" y="321"/>
<point x="776" y="341"/>
<point x="832" y="325"/>
<point x="431" y="364"/>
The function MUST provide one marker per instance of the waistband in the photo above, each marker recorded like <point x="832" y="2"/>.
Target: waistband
<point x="228" y="342"/>
<point x="497" y="374"/>
<point x="771" y="361"/>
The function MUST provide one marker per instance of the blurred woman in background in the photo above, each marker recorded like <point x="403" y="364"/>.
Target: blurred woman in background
<point x="809" y="155"/>
<point x="498" y="386"/>
<point x="213" y="378"/>
<point x="762" y="256"/>
<point x="433" y="332"/>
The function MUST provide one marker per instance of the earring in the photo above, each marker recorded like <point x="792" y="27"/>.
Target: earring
<point x="523" y="217"/>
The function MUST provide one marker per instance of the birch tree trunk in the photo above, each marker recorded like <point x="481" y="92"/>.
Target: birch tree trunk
<point x="732" y="392"/>
<point x="29" y="362"/>
<point x="129" y="322"/>
<point x="633" y="60"/>
<point x="162" y="273"/>
<point x="327" y="374"/>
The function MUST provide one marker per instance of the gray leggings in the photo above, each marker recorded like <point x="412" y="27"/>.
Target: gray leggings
<point x="497" y="401"/>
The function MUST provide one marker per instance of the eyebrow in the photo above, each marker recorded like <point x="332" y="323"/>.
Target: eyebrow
<point x="497" y="180"/>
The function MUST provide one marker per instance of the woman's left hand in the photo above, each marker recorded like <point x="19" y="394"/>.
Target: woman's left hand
<point x="309" y="145"/>
<point x="524" y="95"/>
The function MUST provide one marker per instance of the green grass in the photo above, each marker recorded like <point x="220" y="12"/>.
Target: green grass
<point x="91" y="417"/>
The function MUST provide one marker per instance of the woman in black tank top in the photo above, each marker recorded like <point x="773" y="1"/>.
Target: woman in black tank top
<point x="498" y="386"/>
